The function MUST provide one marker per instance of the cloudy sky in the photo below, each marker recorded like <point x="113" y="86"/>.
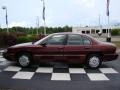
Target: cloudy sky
<point x="59" y="12"/>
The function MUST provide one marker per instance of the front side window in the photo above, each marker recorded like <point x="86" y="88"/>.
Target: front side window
<point x="74" y="40"/>
<point x="56" y="40"/>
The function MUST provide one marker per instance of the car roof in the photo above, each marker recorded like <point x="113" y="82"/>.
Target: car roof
<point x="86" y="35"/>
<point x="66" y="33"/>
<point x="71" y="33"/>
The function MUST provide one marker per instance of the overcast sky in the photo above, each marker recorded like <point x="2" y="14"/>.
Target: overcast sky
<point x="59" y="12"/>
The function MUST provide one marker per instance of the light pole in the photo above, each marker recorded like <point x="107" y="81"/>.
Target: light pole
<point x="5" y="8"/>
<point x="37" y="24"/>
<point x="43" y="16"/>
<point x="108" y="14"/>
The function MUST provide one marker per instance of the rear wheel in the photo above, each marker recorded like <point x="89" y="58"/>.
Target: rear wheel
<point x="24" y="60"/>
<point x="93" y="61"/>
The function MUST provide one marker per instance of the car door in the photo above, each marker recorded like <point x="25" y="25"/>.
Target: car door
<point x="74" y="49"/>
<point x="87" y="45"/>
<point x="52" y="48"/>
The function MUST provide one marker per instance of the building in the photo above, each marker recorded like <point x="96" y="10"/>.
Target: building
<point x="93" y="30"/>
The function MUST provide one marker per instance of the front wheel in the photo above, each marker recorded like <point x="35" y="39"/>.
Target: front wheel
<point x="94" y="61"/>
<point x="24" y="60"/>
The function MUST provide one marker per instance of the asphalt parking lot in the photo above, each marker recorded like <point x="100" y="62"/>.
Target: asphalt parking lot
<point x="59" y="76"/>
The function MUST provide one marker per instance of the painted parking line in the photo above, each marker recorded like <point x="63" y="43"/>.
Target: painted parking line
<point x="97" y="77"/>
<point x="60" y="74"/>
<point x="108" y="70"/>
<point x="23" y="75"/>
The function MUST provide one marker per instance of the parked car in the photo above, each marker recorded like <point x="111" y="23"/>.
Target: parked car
<point x="63" y="47"/>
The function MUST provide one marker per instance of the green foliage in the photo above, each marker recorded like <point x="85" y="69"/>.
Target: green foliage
<point x="28" y="38"/>
<point x="7" y="39"/>
<point x="115" y="32"/>
<point x="21" y="35"/>
<point x="33" y="31"/>
<point x="24" y="39"/>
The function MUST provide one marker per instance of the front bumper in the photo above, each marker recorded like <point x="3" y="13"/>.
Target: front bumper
<point x="110" y="57"/>
<point x="8" y="56"/>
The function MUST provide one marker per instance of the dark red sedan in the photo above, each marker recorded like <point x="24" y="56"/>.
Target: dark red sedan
<point x="63" y="47"/>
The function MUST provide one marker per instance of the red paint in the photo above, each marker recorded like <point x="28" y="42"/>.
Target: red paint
<point x="64" y="53"/>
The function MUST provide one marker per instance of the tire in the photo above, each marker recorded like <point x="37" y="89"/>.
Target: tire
<point x="93" y="61"/>
<point x="24" y="60"/>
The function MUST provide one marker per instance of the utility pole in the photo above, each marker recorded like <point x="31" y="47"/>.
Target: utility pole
<point x="100" y="26"/>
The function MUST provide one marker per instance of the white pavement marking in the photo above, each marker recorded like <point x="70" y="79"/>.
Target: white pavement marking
<point x="23" y="75"/>
<point x="61" y="76"/>
<point x="2" y="59"/>
<point x="97" y="77"/>
<point x="77" y="70"/>
<point x="107" y="70"/>
<point x="12" y="68"/>
<point x="44" y="70"/>
<point x="4" y="63"/>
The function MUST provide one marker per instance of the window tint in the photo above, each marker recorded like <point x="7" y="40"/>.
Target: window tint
<point x="56" y="40"/>
<point x="74" y="40"/>
<point x="86" y="41"/>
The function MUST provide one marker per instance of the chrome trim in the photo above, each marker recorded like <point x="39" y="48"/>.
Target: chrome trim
<point x="59" y="55"/>
<point x="74" y="55"/>
<point x="48" y="55"/>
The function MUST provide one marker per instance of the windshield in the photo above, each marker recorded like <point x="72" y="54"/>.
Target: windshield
<point x="39" y="41"/>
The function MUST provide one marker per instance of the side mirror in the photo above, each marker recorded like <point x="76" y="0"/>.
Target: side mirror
<point x="43" y="44"/>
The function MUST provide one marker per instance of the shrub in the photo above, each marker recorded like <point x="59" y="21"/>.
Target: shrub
<point x="37" y="37"/>
<point x="115" y="32"/>
<point x="24" y="39"/>
<point x="7" y="39"/>
<point x="28" y="38"/>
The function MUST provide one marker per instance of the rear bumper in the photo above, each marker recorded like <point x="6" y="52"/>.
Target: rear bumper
<point x="110" y="57"/>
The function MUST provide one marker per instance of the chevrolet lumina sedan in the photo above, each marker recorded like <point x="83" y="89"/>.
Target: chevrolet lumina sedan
<point x="70" y="48"/>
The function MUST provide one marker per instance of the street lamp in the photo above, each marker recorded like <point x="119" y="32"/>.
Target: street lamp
<point x="37" y="24"/>
<point x="5" y="8"/>
<point x="43" y="16"/>
<point x="109" y="30"/>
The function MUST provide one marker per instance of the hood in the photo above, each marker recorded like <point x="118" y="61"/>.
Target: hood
<point x="23" y="44"/>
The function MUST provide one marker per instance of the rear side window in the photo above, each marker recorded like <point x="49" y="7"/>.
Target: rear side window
<point x="74" y="40"/>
